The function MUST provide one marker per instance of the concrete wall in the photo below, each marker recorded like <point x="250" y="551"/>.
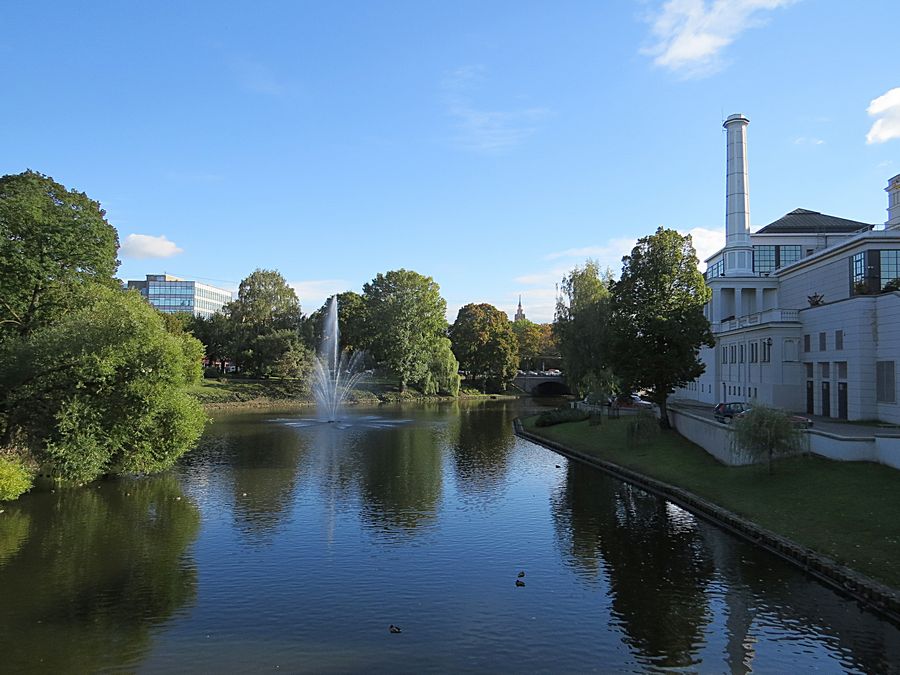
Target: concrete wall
<point x="712" y="436"/>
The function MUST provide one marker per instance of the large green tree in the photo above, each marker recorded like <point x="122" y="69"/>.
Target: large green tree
<point x="265" y="320"/>
<point x="101" y="389"/>
<point x="406" y="318"/>
<point x="658" y="320"/>
<point x="217" y="335"/>
<point x="485" y="345"/>
<point x="581" y="326"/>
<point x="52" y="240"/>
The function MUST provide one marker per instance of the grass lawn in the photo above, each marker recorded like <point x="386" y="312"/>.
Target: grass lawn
<point x="229" y="390"/>
<point x="849" y="511"/>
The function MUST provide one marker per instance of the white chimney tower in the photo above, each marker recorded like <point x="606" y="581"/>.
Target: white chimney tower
<point x="738" y="251"/>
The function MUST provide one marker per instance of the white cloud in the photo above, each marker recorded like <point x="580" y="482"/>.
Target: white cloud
<point x="691" y="34"/>
<point x="314" y="293"/>
<point x="706" y="241"/>
<point x="481" y="130"/>
<point x="887" y="109"/>
<point x="147" y="246"/>
<point x="803" y="140"/>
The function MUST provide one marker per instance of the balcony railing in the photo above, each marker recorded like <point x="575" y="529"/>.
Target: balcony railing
<point x="767" y="316"/>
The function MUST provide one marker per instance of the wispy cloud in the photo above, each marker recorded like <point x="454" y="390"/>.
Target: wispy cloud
<point x="690" y="35"/>
<point x="147" y="246"/>
<point x="804" y="140"/>
<point x="886" y="108"/>
<point x="258" y="78"/>
<point x="481" y="130"/>
<point x="314" y="293"/>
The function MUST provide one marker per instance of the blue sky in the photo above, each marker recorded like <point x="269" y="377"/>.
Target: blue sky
<point x="490" y="145"/>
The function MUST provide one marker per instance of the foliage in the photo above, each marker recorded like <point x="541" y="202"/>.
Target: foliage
<point x="529" y="338"/>
<point x="102" y="389"/>
<point x="15" y="477"/>
<point x="217" y="335"/>
<point x="52" y="240"/>
<point x="265" y="319"/>
<point x="581" y="326"/>
<point x="485" y="345"/>
<point x="657" y="315"/>
<point x="407" y="314"/>
<point x="176" y="322"/>
<point x="767" y="433"/>
<point x="560" y="416"/>
<point x="442" y="376"/>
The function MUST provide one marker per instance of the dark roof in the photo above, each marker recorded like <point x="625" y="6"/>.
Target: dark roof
<point x="801" y="221"/>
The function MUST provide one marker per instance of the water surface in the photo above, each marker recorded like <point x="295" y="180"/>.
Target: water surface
<point x="286" y="545"/>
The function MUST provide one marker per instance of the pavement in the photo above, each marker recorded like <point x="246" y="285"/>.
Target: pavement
<point x="827" y="424"/>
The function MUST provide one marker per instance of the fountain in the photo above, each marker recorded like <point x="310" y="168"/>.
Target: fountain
<point x="335" y="372"/>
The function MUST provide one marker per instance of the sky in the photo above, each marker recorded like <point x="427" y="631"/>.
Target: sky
<point x="492" y="146"/>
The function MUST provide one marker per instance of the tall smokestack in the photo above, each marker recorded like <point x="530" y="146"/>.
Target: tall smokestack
<point x="738" y="252"/>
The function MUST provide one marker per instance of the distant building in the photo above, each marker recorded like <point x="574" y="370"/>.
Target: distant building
<point x="170" y="294"/>
<point x="520" y="314"/>
<point x="805" y="311"/>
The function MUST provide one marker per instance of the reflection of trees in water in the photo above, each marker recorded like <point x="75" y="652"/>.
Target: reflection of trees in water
<point x="100" y="569"/>
<point x="763" y="589"/>
<point x="14" y="527"/>
<point x="481" y="438"/>
<point x="262" y="462"/>
<point x="401" y="478"/>
<point x="655" y="563"/>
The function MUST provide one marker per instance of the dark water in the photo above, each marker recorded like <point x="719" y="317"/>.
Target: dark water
<point x="279" y="546"/>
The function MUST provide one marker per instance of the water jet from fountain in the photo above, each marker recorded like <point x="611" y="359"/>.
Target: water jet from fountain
<point x="335" y="372"/>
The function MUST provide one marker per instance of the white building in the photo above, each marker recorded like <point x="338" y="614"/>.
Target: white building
<point x="806" y="311"/>
<point x="173" y="295"/>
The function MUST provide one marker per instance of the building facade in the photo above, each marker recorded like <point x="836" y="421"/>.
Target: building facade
<point x="805" y="311"/>
<point x="171" y="295"/>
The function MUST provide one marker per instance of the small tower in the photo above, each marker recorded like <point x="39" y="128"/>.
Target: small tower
<point x="893" y="190"/>
<point x="520" y="315"/>
<point x="738" y="251"/>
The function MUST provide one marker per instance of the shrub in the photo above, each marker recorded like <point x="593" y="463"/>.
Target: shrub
<point x="560" y="416"/>
<point x="211" y="373"/>
<point x="15" y="477"/>
<point x="765" y="432"/>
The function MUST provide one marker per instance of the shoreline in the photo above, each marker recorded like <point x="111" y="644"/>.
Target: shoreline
<point x="265" y="403"/>
<point x="875" y="596"/>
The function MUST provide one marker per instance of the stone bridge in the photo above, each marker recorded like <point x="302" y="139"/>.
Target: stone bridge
<point x="542" y="385"/>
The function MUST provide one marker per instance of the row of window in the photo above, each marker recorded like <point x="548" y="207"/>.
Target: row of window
<point x="756" y="351"/>
<point x="825" y="370"/>
<point x="770" y="258"/>
<point x="874" y="271"/>
<point x="823" y="341"/>
<point x="187" y="288"/>
<point x="740" y="390"/>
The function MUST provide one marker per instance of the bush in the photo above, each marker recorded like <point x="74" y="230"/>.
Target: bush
<point x="212" y="373"/>
<point x="766" y="433"/>
<point x="15" y="477"/>
<point x="560" y="416"/>
<point x="641" y="428"/>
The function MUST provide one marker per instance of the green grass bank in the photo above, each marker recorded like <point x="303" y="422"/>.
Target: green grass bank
<point x="848" y="511"/>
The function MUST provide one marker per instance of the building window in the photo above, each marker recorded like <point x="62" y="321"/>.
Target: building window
<point x="731" y="357"/>
<point x="825" y="370"/>
<point x="764" y="259"/>
<point x="884" y="382"/>
<point x="766" y="349"/>
<point x="823" y="342"/>
<point x="724" y="354"/>
<point x="717" y="269"/>
<point x="809" y="370"/>
<point x="754" y="352"/>
<point x="806" y="343"/>
<point x="890" y="270"/>
<point x="788" y="254"/>
<point x="858" y="273"/>
<point x="741" y="352"/>
<point x="841" y="369"/>
<point x="838" y="340"/>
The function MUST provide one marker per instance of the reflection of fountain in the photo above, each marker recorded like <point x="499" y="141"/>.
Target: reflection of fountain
<point x="336" y="372"/>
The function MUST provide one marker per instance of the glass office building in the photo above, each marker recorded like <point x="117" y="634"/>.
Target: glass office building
<point x="170" y="294"/>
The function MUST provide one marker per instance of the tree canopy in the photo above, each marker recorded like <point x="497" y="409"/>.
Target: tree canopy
<point x="52" y="240"/>
<point x="100" y="390"/>
<point x="407" y="317"/>
<point x="485" y="345"/>
<point x="581" y="326"/>
<point x="658" y="319"/>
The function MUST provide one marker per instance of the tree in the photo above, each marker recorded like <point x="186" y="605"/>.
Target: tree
<point x="406" y="317"/>
<point x="658" y="319"/>
<point x="101" y="390"/>
<point x="485" y="345"/>
<point x="52" y="241"/>
<point x="765" y="432"/>
<point x="442" y="376"/>
<point x="351" y="320"/>
<point x="530" y="339"/>
<point x="264" y="317"/>
<point x="581" y="326"/>
<point x="217" y="335"/>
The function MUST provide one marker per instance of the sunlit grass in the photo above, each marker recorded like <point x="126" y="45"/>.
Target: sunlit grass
<point x="849" y="511"/>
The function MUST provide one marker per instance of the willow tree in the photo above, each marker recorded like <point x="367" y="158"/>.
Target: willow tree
<point x="657" y="317"/>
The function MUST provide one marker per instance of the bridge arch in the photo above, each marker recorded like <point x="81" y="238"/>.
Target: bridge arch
<point x="550" y="388"/>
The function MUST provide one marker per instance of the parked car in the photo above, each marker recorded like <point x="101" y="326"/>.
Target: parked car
<point x="798" y="421"/>
<point x="633" y="401"/>
<point x="725" y="412"/>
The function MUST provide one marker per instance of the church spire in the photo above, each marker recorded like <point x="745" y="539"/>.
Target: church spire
<point x="520" y="315"/>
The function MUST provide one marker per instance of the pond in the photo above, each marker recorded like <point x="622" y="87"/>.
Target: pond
<point x="281" y="544"/>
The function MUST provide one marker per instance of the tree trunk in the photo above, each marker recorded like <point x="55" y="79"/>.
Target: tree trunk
<point x="664" y="414"/>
